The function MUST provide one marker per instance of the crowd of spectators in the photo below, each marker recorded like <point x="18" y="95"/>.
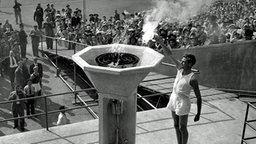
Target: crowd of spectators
<point x="222" y="22"/>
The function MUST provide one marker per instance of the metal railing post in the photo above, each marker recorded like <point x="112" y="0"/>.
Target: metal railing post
<point x="245" y="120"/>
<point x="42" y="47"/>
<point x="74" y="64"/>
<point x="56" y="58"/>
<point x="75" y="48"/>
<point x="46" y="113"/>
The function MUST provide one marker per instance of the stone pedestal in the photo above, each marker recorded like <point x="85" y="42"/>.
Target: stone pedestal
<point x="117" y="126"/>
<point x="119" y="85"/>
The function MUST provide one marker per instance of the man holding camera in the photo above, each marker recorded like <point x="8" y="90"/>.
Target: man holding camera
<point x="18" y="107"/>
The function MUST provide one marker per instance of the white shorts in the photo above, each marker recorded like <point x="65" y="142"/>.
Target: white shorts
<point x="179" y="104"/>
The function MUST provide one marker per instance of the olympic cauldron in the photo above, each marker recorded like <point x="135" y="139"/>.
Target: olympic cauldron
<point x="116" y="75"/>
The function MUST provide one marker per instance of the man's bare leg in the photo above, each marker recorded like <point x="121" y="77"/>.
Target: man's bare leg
<point x="177" y="127"/>
<point x="183" y="121"/>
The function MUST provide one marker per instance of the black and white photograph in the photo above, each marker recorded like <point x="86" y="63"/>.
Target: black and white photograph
<point x="127" y="71"/>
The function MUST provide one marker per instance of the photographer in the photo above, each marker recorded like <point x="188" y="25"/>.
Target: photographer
<point x="18" y="107"/>
<point x="29" y="91"/>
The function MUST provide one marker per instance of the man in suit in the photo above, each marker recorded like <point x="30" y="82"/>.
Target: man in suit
<point x="49" y="26"/>
<point x="18" y="107"/>
<point x="19" y="76"/>
<point x="40" y="68"/>
<point x="35" y="35"/>
<point x="23" y="41"/>
<point x="25" y="70"/>
<point x="29" y="91"/>
<point x="39" y="16"/>
<point x="10" y="64"/>
<point x="17" y="11"/>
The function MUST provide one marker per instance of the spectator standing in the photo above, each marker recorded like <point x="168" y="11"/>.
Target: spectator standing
<point x="62" y="118"/>
<point x="116" y="16"/>
<point x="29" y="91"/>
<point x="19" y="77"/>
<point x="96" y="19"/>
<point x="35" y="78"/>
<point x="71" y="36"/>
<point x="53" y="13"/>
<point x="103" y="21"/>
<point x="49" y="13"/>
<point x="79" y="13"/>
<point x="10" y="64"/>
<point x="39" y="16"/>
<point x="23" y="41"/>
<point x="91" y="18"/>
<point x="40" y="68"/>
<point x="68" y="11"/>
<point x="35" y="39"/>
<point x="48" y="26"/>
<point x="18" y="107"/>
<point x="17" y="11"/>
<point x="7" y="26"/>
<point x="63" y="13"/>
<point x="75" y="20"/>
<point x="25" y="71"/>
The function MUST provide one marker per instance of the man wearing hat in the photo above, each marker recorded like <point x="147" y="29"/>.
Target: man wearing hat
<point x="47" y="11"/>
<point x="40" y="68"/>
<point x="116" y="16"/>
<point x="68" y="11"/>
<point x="53" y="13"/>
<point x="49" y="26"/>
<point x="35" y="40"/>
<point x="75" y="20"/>
<point x="91" y="18"/>
<point x="17" y="11"/>
<point x="39" y="16"/>
<point x="96" y="18"/>
<point x="19" y="77"/>
<point x="23" y="41"/>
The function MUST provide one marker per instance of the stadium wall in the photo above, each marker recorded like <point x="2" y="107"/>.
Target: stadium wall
<point x="229" y="65"/>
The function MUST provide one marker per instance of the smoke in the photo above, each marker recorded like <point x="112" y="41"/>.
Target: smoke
<point x="170" y="11"/>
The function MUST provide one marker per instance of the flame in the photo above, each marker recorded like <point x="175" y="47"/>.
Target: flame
<point x="116" y="48"/>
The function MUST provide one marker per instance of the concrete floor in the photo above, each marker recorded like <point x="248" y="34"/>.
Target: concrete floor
<point x="221" y="123"/>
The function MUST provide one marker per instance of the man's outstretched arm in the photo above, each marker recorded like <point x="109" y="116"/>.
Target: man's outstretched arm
<point x="167" y="51"/>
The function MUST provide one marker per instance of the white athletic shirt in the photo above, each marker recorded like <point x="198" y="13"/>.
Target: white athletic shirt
<point x="180" y="98"/>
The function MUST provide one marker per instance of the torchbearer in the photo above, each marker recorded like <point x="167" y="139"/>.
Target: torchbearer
<point x="179" y="102"/>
